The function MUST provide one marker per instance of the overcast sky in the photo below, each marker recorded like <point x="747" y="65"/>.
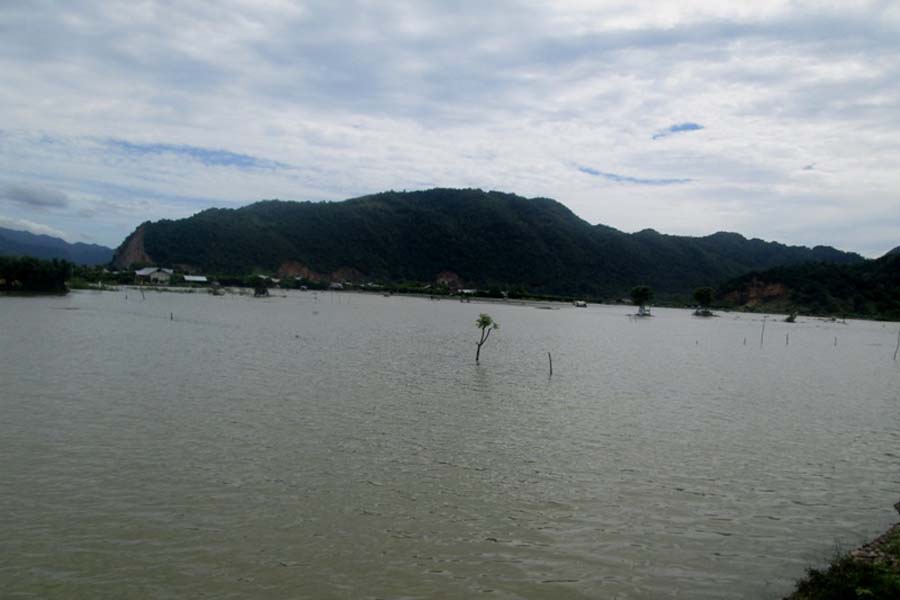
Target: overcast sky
<point x="778" y="120"/>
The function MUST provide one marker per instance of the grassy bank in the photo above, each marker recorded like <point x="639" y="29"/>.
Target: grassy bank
<point x="871" y="572"/>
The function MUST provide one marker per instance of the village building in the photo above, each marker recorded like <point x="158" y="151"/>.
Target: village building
<point x="153" y="275"/>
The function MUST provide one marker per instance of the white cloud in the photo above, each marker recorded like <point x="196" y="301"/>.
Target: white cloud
<point x="356" y="97"/>
<point x="32" y="227"/>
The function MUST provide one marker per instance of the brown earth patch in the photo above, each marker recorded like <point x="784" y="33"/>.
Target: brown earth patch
<point x="132" y="250"/>
<point x="293" y="268"/>
<point x="448" y="278"/>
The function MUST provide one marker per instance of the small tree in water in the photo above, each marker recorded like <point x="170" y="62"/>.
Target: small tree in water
<point x="640" y="296"/>
<point x="704" y="297"/>
<point x="260" y="287"/>
<point x="486" y="324"/>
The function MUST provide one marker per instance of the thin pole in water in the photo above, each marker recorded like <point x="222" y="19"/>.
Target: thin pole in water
<point x="787" y="339"/>
<point x="550" y="358"/>
<point x="835" y="341"/>
<point x="745" y="340"/>
<point x="898" y="346"/>
<point x="762" y="334"/>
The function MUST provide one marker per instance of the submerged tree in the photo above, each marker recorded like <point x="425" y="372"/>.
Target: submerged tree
<point x="704" y="297"/>
<point x="486" y="324"/>
<point x="640" y="296"/>
<point x="260" y="287"/>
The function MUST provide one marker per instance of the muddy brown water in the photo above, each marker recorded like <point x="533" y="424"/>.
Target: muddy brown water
<point x="346" y="446"/>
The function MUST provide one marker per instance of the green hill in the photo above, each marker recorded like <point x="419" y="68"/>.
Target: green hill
<point x="481" y="238"/>
<point x="870" y="289"/>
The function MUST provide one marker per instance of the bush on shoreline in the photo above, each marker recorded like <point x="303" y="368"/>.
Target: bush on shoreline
<point x="871" y="573"/>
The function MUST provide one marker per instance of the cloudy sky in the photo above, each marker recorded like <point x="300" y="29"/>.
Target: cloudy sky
<point x="778" y="120"/>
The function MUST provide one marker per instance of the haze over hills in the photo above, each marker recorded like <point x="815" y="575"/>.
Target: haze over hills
<point x="477" y="238"/>
<point x="24" y="243"/>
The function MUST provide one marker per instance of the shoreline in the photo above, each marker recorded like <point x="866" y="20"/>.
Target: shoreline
<point x="553" y="304"/>
<point x="871" y="571"/>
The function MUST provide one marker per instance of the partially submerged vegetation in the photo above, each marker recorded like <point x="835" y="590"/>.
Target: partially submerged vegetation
<point x="869" y="290"/>
<point x="640" y="296"/>
<point x="871" y="572"/>
<point x="486" y="324"/>
<point x="704" y="298"/>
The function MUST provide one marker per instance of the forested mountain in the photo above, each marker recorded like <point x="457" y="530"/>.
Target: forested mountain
<point x="481" y="238"/>
<point x="24" y="243"/>
<point x="870" y="289"/>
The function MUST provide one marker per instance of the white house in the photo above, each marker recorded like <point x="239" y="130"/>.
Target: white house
<point x="153" y="275"/>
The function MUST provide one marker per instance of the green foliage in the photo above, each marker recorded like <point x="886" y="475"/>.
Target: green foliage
<point x="704" y="296"/>
<point x="848" y="578"/>
<point x="261" y="286"/>
<point x="873" y="574"/>
<point x="870" y="289"/>
<point x="489" y="239"/>
<point x="641" y="295"/>
<point x="518" y="292"/>
<point x="486" y="322"/>
<point x="27" y="274"/>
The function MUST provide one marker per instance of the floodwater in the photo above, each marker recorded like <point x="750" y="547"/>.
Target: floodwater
<point x="337" y="445"/>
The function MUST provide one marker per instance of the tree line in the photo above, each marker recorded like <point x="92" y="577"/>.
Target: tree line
<point x="28" y="274"/>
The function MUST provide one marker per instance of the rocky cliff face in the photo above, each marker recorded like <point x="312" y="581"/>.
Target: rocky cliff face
<point x="132" y="250"/>
<point x="294" y="268"/>
<point x="758" y="294"/>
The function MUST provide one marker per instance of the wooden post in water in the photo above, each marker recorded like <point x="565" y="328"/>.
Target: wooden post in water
<point x="762" y="334"/>
<point x="787" y="339"/>
<point x="550" y="358"/>
<point x="898" y="346"/>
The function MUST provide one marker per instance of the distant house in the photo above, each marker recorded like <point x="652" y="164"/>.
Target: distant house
<point x="153" y="275"/>
<point x="198" y="279"/>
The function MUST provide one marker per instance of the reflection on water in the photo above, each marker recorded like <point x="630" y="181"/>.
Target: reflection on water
<point x="347" y="446"/>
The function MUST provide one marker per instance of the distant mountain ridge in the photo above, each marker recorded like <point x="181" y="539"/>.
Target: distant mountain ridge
<point x="24" y="243"/>
<point x="467" y="235"/>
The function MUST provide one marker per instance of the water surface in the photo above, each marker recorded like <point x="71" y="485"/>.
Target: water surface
<point x="346" y="446"/>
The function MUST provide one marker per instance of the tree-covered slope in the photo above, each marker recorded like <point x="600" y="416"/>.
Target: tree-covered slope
<point x="870" y="289"/>
<point x="485" y="238"/>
